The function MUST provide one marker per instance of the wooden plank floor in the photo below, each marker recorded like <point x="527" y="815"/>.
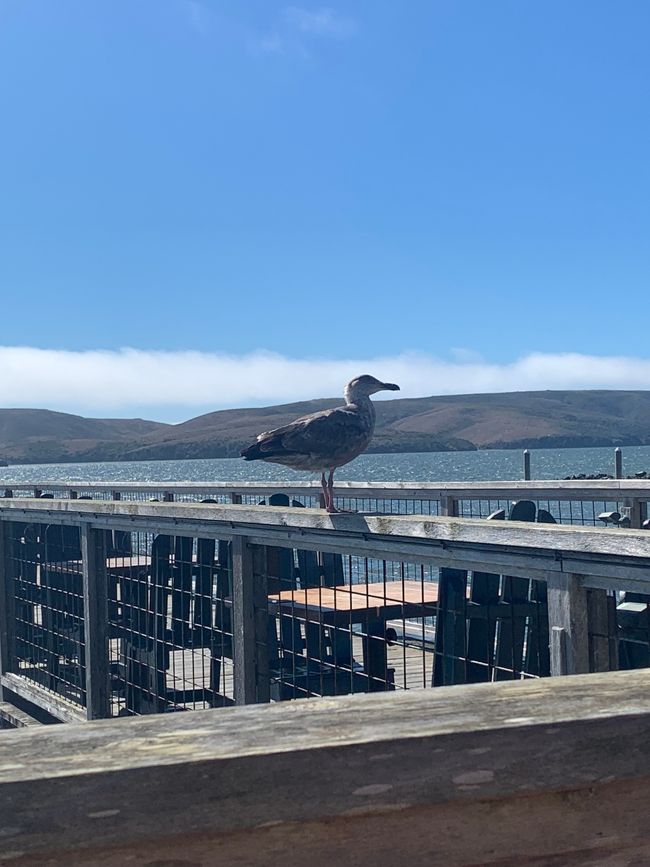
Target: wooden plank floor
<point x="190" y="669"/>
<point x="413" y="667"/>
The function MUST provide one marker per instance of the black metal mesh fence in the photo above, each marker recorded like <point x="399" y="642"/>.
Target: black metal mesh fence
<point x="331" y="624"/>
<point x="334" y="624"/>
<point x="170" y="619"/>
<point x="562" y="511"/>
<point x="47" y="588"/>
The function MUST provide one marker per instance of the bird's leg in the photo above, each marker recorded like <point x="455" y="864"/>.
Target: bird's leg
<point x="328" y="496"/>
<point x="325" y="488"/>
<point x="330" y="489"/>
<point x="328" y="493"/>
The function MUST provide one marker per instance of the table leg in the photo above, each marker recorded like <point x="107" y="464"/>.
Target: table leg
<point x="375" y="656"/>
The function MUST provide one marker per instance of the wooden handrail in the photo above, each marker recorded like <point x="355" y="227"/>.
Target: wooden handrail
<point x="506" y="773"/>
<point x="570" y="489"/>
<point x="568" y="559"/>
<point x="512" y="547"/>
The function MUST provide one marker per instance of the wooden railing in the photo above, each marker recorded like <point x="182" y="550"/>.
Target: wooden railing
<point x="551" y="772"/>
<point x="468" y="499"/>
<point x="579" y="567"/>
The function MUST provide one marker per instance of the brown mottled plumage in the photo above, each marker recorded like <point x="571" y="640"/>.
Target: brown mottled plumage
<point x="323" y="441"/>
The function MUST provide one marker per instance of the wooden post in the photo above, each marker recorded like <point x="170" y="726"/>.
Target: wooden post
<point x="93" y="555"/>
<point x="618" y="463"/>
<point x="249" y="623"/>
<point x="264" y="624"/>
<point x="450" y="660"/>
<point x="448" y="506"/>
<point x="567" y="612"/>
<point x="636" y="511"/>
<point x="558" y="649"/>
<point x="612" y="622"/>
<point x="600" y="638"/>
<point x="526" y="465"/>
<point x="7" y="606"/>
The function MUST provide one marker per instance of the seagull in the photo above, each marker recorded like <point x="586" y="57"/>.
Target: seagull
<point x="323" y="441"/>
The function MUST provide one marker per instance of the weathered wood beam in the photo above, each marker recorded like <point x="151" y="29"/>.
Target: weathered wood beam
<point x="568" y="622"/>
<point x="250" y="623"/>
<point x="241" y="519"/>
<point x="55" y="705"/>
<point x="569" y="489"/>
<point x="15" y="717"/>
<point x="95" y="590"/>
<point x="603" y="556"/>
<point x="603" y="634"/>
<point x="7" y="602"/>
<point x="508" y="773"/>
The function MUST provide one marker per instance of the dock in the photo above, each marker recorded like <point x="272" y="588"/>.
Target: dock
<point x="140" y="599"/>
<point x="197" y="628"/>
<point x="492" y="774"/>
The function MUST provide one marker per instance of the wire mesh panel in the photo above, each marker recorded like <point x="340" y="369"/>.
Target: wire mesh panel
<point x="174" y="625"/>
<point x="633" y="622"/>
<point x="343" y="625"/>
<point x="46" y="583"/>
<point x="387" y="505"/>
<point x="490" y="627"/>
<point x="382" y="499"/>
<point x="574" y="512"/>
<point x="493" y="627"/>
<point x="171" y="631"/>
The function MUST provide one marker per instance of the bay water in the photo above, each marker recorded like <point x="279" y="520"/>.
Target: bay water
<point x="496" y="465"/>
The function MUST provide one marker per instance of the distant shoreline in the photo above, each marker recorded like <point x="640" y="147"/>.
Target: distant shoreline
<point x="439" y="424"/>
<point x="536" y="446"/>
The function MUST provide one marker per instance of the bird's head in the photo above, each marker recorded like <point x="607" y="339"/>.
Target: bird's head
<point x="364" y="386"/>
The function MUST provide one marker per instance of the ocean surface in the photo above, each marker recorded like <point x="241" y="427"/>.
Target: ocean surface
<point x="421" y="467"/>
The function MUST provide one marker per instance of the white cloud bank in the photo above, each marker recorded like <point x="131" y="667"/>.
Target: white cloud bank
<point x="128" y="381"/>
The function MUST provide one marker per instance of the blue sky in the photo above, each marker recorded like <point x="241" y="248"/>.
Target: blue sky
<point x="259" y="198"/>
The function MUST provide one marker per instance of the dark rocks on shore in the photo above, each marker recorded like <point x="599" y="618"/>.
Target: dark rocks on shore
<point x="588" y="477"/>
<point x="643" y="474"/>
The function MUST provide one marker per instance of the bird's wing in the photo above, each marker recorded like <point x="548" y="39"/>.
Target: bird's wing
<point x="314" y="434"/>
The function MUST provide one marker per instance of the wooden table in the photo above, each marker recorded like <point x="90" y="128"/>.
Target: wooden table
<point x="369" y="605"/>
<point x="114" y="565"/>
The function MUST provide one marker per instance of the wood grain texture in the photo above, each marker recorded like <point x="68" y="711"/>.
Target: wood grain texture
<point x="243" y="622"/>
<point x="589" y="827"/>
<point x="55" y="705"/>
<point x="357" y="597"/>
<point x="7" y="602"/>
<point x="620" y="557"/>
<point x="567" y="610"/>
<point x="462" y="775"/>
<point x="15" y="716"/>
<point x="633" y="543"/>
<point x="95" y="591"/>
<point x="588" y="489"/>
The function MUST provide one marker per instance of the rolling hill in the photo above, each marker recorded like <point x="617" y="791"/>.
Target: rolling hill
<point x="459" y="422"/>
<point x="44" y="436"/>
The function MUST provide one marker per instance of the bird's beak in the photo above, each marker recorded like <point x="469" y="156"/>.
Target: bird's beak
<point x="390" y="386"/>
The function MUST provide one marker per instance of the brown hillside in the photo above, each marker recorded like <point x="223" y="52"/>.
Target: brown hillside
<point x="513" y="420"/>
